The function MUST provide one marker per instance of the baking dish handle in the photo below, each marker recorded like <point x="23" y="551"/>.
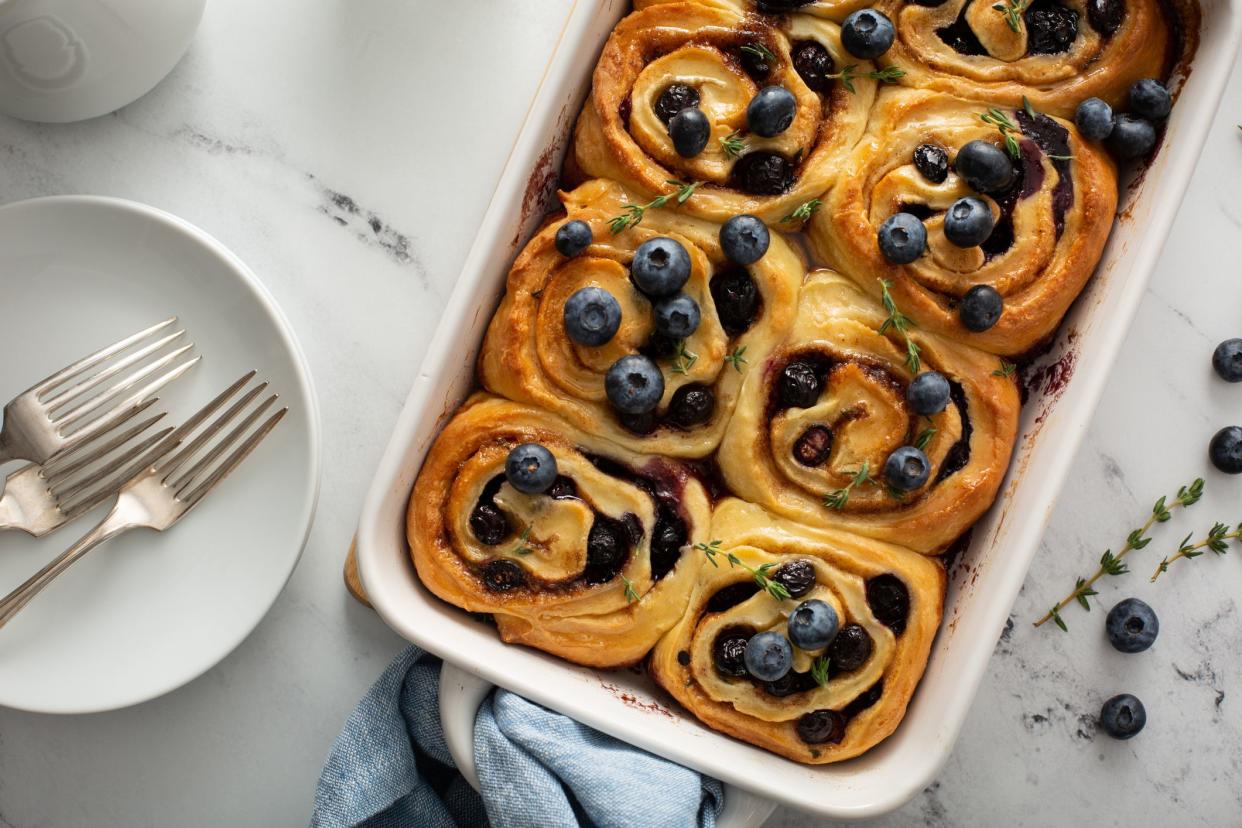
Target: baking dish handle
<point x="461" y="695"/>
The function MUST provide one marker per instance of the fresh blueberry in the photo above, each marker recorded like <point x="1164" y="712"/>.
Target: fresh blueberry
<point x="573" y="237"/>
<point x="1094" y="119"/>
<point x="660" y="267"/>
<point x="677" y="316"/>
<point x="813" y="624"/>
<point x="1227" y="360"/>
<point x="634" y="384"/>
<point x="692" y="405"/>
<point x="1149" y="98"/>
<point x="1132" y="626"/>
<point x="980" y="308"/>
<point x="797" y="576"/>
<point x="689" y="130"/>
<point x="985" y="167"/>
<point x="1132" y="136"/>
<point x="744" y="239"/>
<point x="530" y="468"/>
<point x="932" y="161"/>
<point x="867" y="34"/>
<point x="906" y="469"/>
<point x="768" y="656"/>
<point x="771" y="111"/>
<point x="928" y="393"/>
<point x="968" y="222"/>
<point x="799" y="385"/>
<point x="1122" y="717"/>
<point x="674" y="99"/>
<point x="902" y="238"/>
<point x="1225" y="450"/>
<point x="592" y="316"/>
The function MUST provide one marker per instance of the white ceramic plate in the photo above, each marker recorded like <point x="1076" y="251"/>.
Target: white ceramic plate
<point x="148" y="612"/>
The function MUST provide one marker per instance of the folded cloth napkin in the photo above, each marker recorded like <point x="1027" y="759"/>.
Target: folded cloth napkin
<point x="390" y="767"/>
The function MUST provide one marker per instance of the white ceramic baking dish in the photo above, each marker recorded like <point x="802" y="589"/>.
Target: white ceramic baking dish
<point x="985" y="577"/>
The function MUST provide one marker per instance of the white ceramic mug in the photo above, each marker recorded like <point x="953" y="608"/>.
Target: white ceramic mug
<point x="68" y="60"/>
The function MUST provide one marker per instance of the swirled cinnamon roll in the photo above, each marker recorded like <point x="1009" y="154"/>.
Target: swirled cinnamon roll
<point x="831" y="9"/>
<point x="819" y="421"/>
<point x="590" y="568"/>
<point x="713" y="61"/>
<point x="1050" y="216"/>
<point x="530" y="353"/>
<point x="852" y="636"/>
<point x="1055" y="53"/>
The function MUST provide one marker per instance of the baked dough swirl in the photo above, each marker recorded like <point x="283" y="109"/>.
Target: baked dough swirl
<point x="836" y="10"/>
<point x="888" y="601"/>
<point x="789" y="457"/>
<point x="1060" y="54"/>
<point x="592" y="570"/>
<point x="528" y="356"/>
<point x="1051" y="225"/>
<point x="621" y="136"/>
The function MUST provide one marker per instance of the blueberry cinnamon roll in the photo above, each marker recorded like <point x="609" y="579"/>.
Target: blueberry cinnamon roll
<point x="862" y="422"/>
<point x="1056" y="53"/>
<point x="806" y="642"/>
<point x="642" y="334"/>
<point x="752" y="107"/>
<point x="986" y="222"/>
<point x="574" y="545"/>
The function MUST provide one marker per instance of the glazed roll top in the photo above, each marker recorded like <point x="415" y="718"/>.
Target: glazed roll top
<point x="847" y="683"/>
<point x="715" y="60"/>
<point x="530" y="354"/>
<point x="1056" y="54"/>
<point x="590" y="568"/>
<point x="831" y="9"/>
<point x="817" y="423"/>
<point x="1049" y="221"/>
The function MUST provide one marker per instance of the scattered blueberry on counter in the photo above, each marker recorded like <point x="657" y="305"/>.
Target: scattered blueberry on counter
<point x="1094" y="119"/>
<point x="906" y="469"/>
<point x="573" y="237"/>
<point x="867" y="34"/>
<point x="690" y="131"/>
<point x="771" y="111"/>
<point x="1227" y="360"/>
<point x="744" y="239"/>
<point x="1225" y="450"/>
<point x="928" y="393"/>
<point x="968" y="222"/>
<point x="530" y="468"/>
<point x="660" y="267"/>
<point x="1123" y="716"/>
<point x="981" y="308"/>
<point x="985" y="167"/>
<point x="634" y="384"/>
<point x="1132" y="626"/>
<point x="813" y="624"/>
<point x="902" y="238"/>
<point x="592" y="316"/>
<point x="769" y="656"/>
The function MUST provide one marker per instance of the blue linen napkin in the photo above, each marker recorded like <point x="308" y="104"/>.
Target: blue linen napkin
<point x="390" y="767"/>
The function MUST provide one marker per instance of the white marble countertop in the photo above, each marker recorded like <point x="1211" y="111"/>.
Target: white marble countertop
<point x="346" y="149"/>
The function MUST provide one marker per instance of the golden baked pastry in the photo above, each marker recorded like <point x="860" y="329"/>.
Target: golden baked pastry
<point x="1051" y="225"/>
<point x="798" y="445"/>
<point x="1055" y="54"/>
<point x="593" y="570"/>
<point x="888" y="603"/>
<point x="716" y="57"/>
<point x="528" y="355"/>
<point x="836" y="10"/>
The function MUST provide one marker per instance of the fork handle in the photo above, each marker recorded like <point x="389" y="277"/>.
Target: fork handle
<point x="15" y="601"/>
<point x="7" y="451"/>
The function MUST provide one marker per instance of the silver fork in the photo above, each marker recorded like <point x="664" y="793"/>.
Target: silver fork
<point x="40" y="499"/>
<point x="93" y="395"/>
<point x="175" y="476"/>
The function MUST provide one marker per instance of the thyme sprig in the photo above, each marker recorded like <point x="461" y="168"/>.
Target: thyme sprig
<point x="760" y="573"/>
<point x="631" y="594"/>
<point x="803" y="211"/>
<point x="819" y="670"/>
<point x="737" y="359"/>
<point x="759" y="50"/>
<point x="733" y="144"/>
<point x="683" y="360"/>
<point x="1012" y="10"/>
<point x="633" y="214"/>
<point x="850" y="73"/>
<point x="901" y="323"/>
<point x="1111" y="564"/>
<point x="838" y="498"/>
<point x="924" y="438"/>
<point x="1007" y="369"/>
<point x="522" y="548"/>
<point x="1217" y="541"/>
<point x="1008" y="130"/>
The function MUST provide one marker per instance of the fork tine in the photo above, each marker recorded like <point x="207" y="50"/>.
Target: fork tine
<point x="67" y="393"/>
<point x="222" y="445"/>
<point x="64" y="419"/>
<point x="111" y="478"/>
<point x="56" y="476"/>
<point x="112" y="423"/>
<point x="169" y="466"/>
<point x="233" y="460"/>
<point x="88" y="362"/>
<point x="135" y="399"/>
